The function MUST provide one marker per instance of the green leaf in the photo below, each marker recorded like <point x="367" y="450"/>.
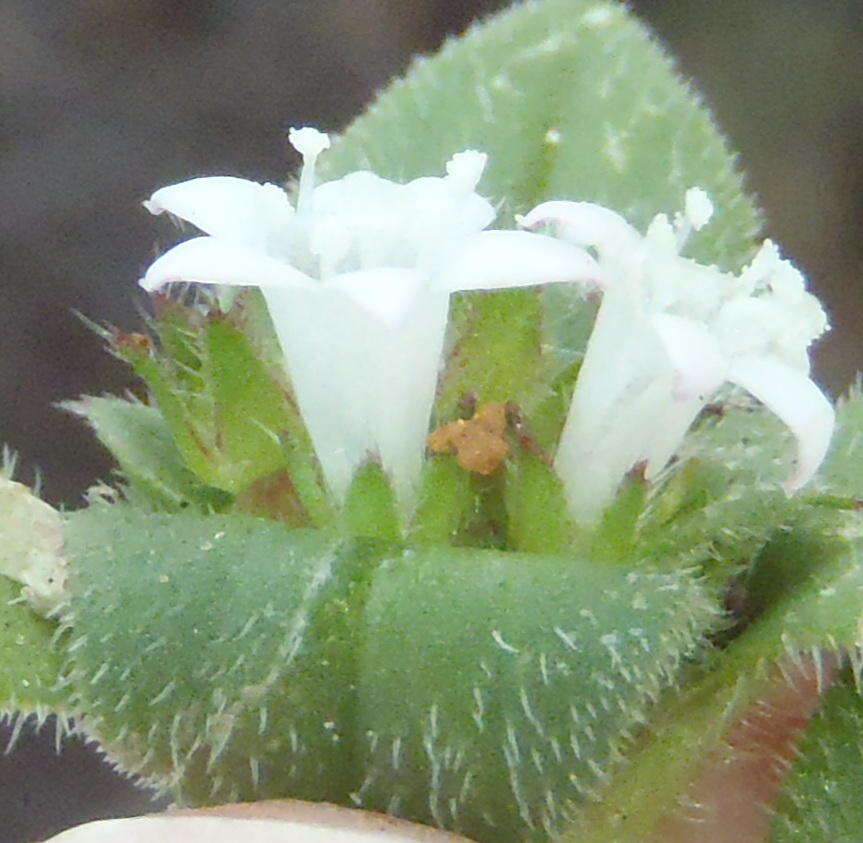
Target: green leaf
<point x="571" y="99"/>
<point x="497" y="689"/>
<point x="142" y="444"/>
<point x="185" y="630"/>
<point x="820" y="797"/>
<point x="227" y="658"/>
<point x="808" y="585"/>
<point x="29" y="664"/>
<point x="723" y="499"/>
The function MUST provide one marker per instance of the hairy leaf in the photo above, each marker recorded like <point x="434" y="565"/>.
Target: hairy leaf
<point x="491" y="692"/>
<point x="142" y="444"/>
<point x="29" y="665"/>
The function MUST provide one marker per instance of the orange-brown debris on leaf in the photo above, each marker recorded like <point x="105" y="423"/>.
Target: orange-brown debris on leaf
<point x="479" y="443"/>
<point x="133" y="341"/>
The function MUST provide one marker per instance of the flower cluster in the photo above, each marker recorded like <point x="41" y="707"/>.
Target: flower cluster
<point x="357" y="276"/>
<point x="669" y="333"/>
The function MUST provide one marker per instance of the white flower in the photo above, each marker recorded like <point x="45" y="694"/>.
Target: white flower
<point x="357" y="280"/>
<point x="668" y="334"/>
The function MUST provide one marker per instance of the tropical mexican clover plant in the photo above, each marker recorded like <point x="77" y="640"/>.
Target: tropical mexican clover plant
<point x="453" y="452"/>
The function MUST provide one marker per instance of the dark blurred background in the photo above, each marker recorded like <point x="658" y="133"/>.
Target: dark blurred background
<point x="104" y="100"/>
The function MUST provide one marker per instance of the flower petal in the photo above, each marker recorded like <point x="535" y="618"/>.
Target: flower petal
<point x="387" y="294"/>
<point x="592" y="459"/>
<point x="584" y="224"/>
<point x="227" y="207"/>
<point x="694" y="353"/>
<point x="800" y="404"/>
<point x="363" y="388"/>
<point x="497" y="259"/>
<point x="207" y="260"/>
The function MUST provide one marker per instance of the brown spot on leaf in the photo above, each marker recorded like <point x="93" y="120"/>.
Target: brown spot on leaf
<point x="638" y="472"/>
<point x="275" y="497"/>
<point x="133" y="342"/>
<point x="479" y="443"/>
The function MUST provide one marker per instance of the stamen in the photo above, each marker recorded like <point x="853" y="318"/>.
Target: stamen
<point x="310" y="143"/>
<point x="465" y="168"/>
<point x="698" y="210"/>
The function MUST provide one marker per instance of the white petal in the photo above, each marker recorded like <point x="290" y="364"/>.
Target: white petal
<point x="363" y="388"/>
<point x="227" y="207"/>
<point x="800" y="404"/>
<point x="694" y="353"/>
<point x="436" y="211"/>
<point x="386" y="294"/>
<point x="592" y="459"/>
<point x="206" y="260"/>
<point x="584" y="224"/>
<point x="497" y="259"/>
<point x="661" y="236"/>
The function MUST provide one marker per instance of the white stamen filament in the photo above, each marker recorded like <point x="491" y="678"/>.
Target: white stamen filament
<point x="310" y="143"/>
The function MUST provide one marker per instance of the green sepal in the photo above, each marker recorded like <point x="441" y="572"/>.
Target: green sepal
<point x="141" y="442"/>
<point x="441" y="512"/>
<point x="370" y="508"/>
<point x="220" y="389"/>
<point x="497" y="354"/>
<point x="537" y="520"/>
<point x="249" y="408"/>
<point x="179" y="392"/>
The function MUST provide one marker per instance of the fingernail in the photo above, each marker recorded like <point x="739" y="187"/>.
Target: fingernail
<point x="219" y="830"/>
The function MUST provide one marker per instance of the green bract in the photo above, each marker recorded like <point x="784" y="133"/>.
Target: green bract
<point x="480" y="663"/>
